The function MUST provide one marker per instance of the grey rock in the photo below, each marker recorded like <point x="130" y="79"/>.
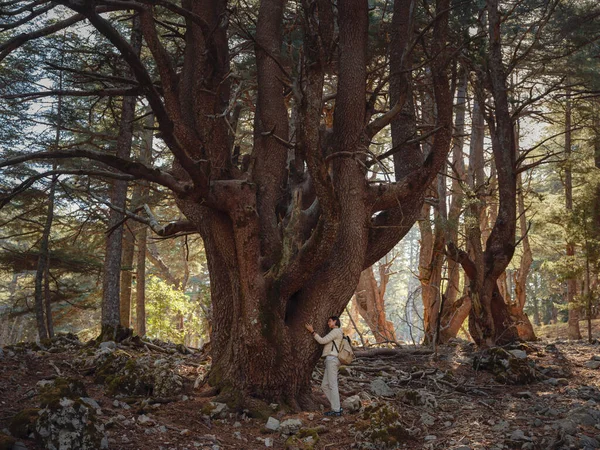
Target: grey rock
<point x="272" y="424"/>
<point x="144" y="420"/>
<point x="594" y="358"/>
<point x="430" y="437"/>
<point x="290" y="426"/>
<point x="461" y="447"/>
<point x="427" y="419"/>
<point x="19" y="446"/>
<point x="219" y="410"/>
<point x="70" y="424"/>
<point x="268" y="442"/>
<point x="520" y="354"/>
<point x="380" y="388"/>
<point x="587" y="442"/>
<point x="503" y="425"/>
<point x="592" y="364"/>
<point x="108" y="345"/>
<point x="167" y="382"/>
<point x="585" y="416"/>
<point x="91" y="402"/>
<point x="237" y="435"/>
<point x="537" y="423"/>
<point x="527" y="446"/>
<point x="519" y="435"/>
<point x="352" y="404"/>
<point x="567" y="427"/>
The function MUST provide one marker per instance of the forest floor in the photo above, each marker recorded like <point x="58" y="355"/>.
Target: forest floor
<point x="543" y="395"/>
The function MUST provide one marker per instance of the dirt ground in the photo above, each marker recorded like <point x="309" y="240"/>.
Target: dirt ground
<point x="456" y="406"/>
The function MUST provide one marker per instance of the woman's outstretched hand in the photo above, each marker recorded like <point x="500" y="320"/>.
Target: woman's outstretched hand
<point x="309" y="327"/>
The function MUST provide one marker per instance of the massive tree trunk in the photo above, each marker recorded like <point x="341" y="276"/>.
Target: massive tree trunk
<point x="370" y="302"/>
<point x="285" y="243"/>
<point x="573" y="329"/>
<point x="111" y="282"/>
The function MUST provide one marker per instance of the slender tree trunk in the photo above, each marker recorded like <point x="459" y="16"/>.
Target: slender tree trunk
<point x="370" y="302"/>
<point x="455" y="310"/>
<point x="42" y="300"/>
<point x="138" y="198"/>
<point x="573" y="330"/>
<point x="142" y="232"/>
<point x="42" y="276"/>
<point x="140" y="282"/>
<point x="111" y="310"/>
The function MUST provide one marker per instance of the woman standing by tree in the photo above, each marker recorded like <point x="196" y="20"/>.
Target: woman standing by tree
<point x="332" y="363"/>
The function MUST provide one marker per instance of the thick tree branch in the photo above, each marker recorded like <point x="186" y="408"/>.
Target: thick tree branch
<point x="136" y="169"/>
<point x="165" y="121"/>
<point x="29" y="182"/>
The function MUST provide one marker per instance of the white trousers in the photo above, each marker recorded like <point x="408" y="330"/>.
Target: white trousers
<point x="330" y="382"/>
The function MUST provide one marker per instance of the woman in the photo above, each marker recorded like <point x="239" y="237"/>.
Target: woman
<point x="331" y="342"/>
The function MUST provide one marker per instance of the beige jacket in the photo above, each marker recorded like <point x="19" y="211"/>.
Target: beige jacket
<point x="336" y="335"/>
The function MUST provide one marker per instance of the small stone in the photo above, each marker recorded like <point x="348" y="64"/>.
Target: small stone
<point x="274" y="406"/>
<point x="351" y="404"/>
<point x="237" y="435"/>
<point x="524" y="394"/>
<point x="380" y="388"/>
<point x="184" y="398"/>
<point x="430" y="437"/>
<point x="268" y="442"/>
<point x="290" y="426"/>
<point x="162" y="429"/>
<point x="108" y="345"/>
<point x="427" y="419"/>
<point x="537" y="423"/>
<point x="272" y="424"/>
<point x="237" y="425"/>
<point x="592" y="364"/>
<point x="518" y="435"/>
<point x="184" y="432"/>
<point x="311" y="416"/>
<point x="519" y="354"/>
<point x="219" y="410"/>
<point x="503" y="425"/>
<point x="594" y="358"/>
<point x="144" y="419"/>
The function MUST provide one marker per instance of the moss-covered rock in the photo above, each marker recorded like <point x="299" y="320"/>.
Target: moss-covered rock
<point x="381" y="425"/>
<point x="51" y="393"/>
<point x="69" y="424"/>
<point x="23" y="424"/>
<point x="505" y="367"/>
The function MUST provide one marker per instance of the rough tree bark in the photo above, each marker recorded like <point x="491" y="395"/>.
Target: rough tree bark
<point x="285" y="244"/>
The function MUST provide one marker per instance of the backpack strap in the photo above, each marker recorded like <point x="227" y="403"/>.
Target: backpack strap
<point x="336" y="348"/>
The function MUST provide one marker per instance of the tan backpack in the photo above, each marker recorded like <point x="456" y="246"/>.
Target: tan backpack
<point x="345" y="352"/>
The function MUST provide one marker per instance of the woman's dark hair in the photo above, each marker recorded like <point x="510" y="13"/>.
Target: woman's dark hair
<point x="337" y="320"/>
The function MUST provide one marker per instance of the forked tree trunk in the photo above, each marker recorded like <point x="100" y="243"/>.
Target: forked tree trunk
<point x="370" y="303"/>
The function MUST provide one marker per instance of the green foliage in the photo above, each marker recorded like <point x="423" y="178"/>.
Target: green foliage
<point x="170" y="312"/>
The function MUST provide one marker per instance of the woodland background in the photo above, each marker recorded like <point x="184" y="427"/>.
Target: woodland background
<point x="58" y="93"/>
